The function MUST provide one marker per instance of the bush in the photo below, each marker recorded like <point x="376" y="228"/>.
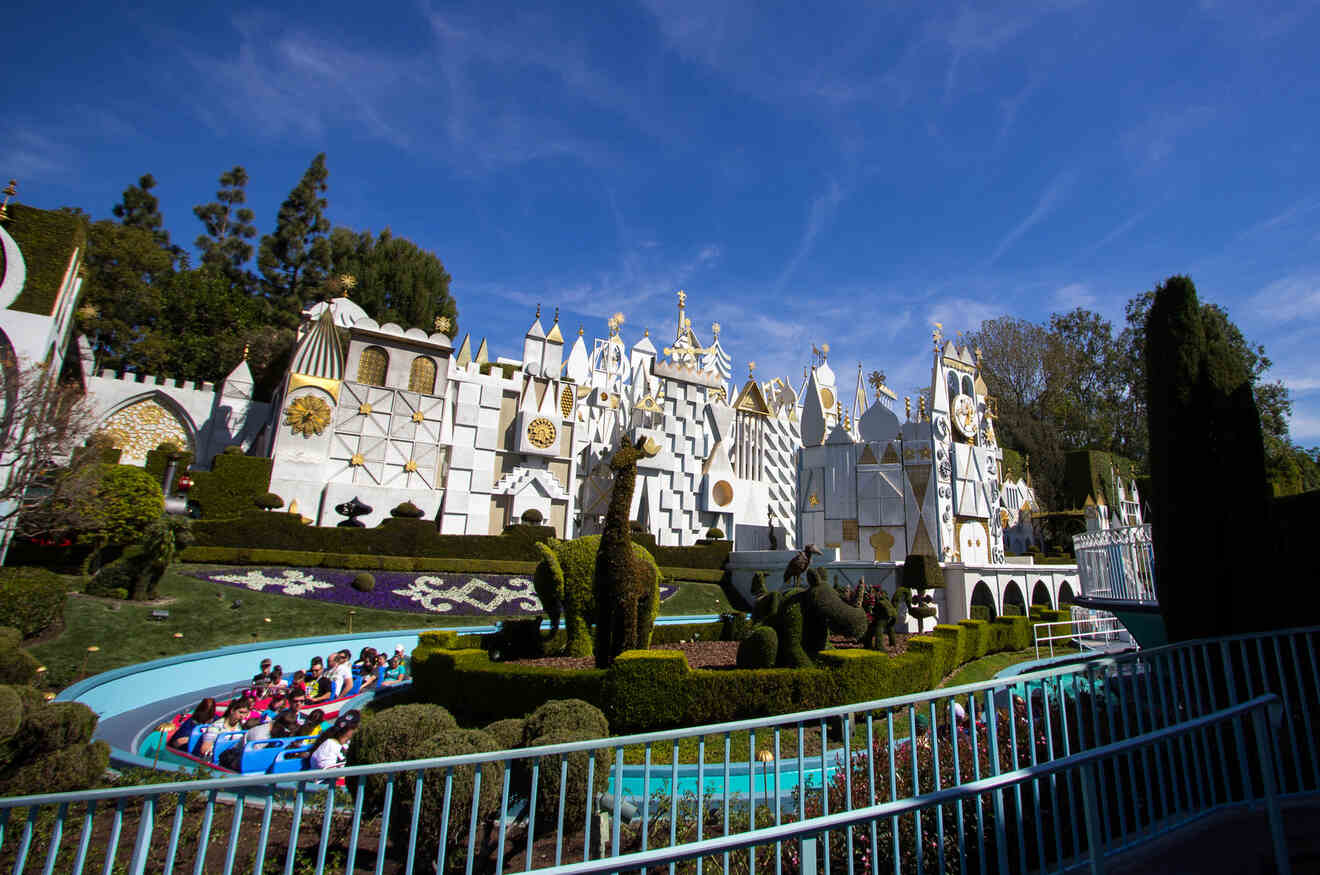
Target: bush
<point x="364" y="582"/>
<point x="407" y="511"/>
<point x="119" y="576"/>
<point x="431" y="821"/>
<point x="565" y="715"/>
<point x="391" y="735"/>
<point x="17" y="666"/>
<point x="11" y="711"/>
<point x="233" y="450"/>
<point x="715" y="534"/>
<point x="125" y="500"/>
<point x="531" y="517"/>
<point x="508" y="732"/>
<point x="733" y="627"/>
<point x="758" y="649"/>
<point x="578" y="794"/>
<point x="268" y="501"/>
<point x="231" y="486"/>
<point x="922" y="572"/>
<point x="517" y="639"/>
<point x="31" y="599"/>
<point x="71" y="768"/>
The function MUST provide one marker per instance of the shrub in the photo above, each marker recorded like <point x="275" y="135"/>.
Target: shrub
<point x="31" y="599"/>
<point x="230" y="487"/>
<point x="758" y="649"/>
<point x="758" y="584"/>
<point x="578" y="793"/>
<point x="733" y="627"/>
<point x="715" y="534"/>
<point x="268" y="501"/>
<point x="980" y="612"/>
<point x="138" y="571"/>
<point x="118" y="576"/>
<point x="408" y="511"/>
<point x="431" y="821"/>
<point x="17" y="666"/>
<point x="922" y="572"/>
<point x="508" y="732"/>
<point x="233" y="450"/>
<point x="364" y="582"/>
<point x="517" y="639"/>
<point x="11" y="712"/>
<point x="565" y="715"/>
<point x="70" y="768"/>
<point x="531" y="517"/>
<point x="646" y="689"/>
<point x="124" y="501"/>
<point x="391" y="735"/>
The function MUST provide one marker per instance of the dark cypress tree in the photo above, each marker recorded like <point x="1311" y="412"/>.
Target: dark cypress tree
<point x="295" y="259"/>
<point x="141" y="209"/>
<point x="1208" y="498"/>
<point x="224" y="246"/>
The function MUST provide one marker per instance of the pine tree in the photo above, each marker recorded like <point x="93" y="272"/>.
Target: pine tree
<point x="295" y="259"/>
<point x="397" y="281"/>
<point x="229" y="227"/>
<point x="141" y="209"/>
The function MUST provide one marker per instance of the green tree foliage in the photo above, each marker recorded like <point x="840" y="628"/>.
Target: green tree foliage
<point x="397" y="281"/>
<point x="294" y="259"/>
<point x="121" y="506"/>
<point x="141" y="209"/>
<point x="229" y="226"/>
<point x="121" y="303"/>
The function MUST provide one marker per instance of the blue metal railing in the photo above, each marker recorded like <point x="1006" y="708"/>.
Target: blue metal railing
<point x="541" y="807"/>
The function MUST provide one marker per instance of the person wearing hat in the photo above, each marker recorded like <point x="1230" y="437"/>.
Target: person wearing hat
<point x="402" y="656"/>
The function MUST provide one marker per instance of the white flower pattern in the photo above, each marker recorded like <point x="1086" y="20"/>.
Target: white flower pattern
<point x="433" y="594"/>
<point x="290" y="582"/>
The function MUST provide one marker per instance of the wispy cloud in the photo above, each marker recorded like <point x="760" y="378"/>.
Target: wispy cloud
<point x="1291" y="298"/>
<point x="1154" y="141"/>
<point x="1074" y="295"/>
<point x="29" y="155"/>
<point x="1057" y="189"/>
<point x="819" y="214"/>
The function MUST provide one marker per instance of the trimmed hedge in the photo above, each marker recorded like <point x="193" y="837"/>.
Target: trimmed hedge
<point x="230" y="487"/>
<point x="652" y="689"/>
<point x="31" y="599"/>
<point x="47" y="239"/>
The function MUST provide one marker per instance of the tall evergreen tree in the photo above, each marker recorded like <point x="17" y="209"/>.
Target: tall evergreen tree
<point x="397" y="281"/>
<point x="295" y="259"/>
<point x="139" y="208"/>
<point x="229" y="227"/>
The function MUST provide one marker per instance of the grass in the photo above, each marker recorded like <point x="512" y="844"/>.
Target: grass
<point x="986" y="667"/>
<point x="201" y="612"/>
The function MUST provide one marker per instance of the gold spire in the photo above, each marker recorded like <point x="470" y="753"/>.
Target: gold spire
<point x="538" y="311"/>
<point x="580" y="330"/>
<point x="751" y="369"/>
<point x="246" y="346"/>
<point x="10" y="190"/>
<point x="937" y="336"/>
<point x="907" y="406"/>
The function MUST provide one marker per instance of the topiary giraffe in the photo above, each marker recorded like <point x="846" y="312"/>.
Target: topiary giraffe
<point x="623" y="584"/>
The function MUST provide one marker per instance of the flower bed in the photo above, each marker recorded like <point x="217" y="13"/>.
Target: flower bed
<point x="500" y="595"/>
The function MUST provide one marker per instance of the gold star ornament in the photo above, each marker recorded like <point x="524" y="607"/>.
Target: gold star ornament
<point x="356" y="460"/>
<point x="307" y="415"/>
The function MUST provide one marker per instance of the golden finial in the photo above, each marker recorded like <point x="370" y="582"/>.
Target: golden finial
<point x="824" y="350"/>
<point x="246" y="346"/>
<point x="751" y="369"/>
<point x="538" y="311"/>
<point x="937" y="336"/>
<point x="443" y="324"/>
<point x="646" y="332"/>
<point x="715" y="328"/>
<point x="580" y="330"/>
<point x="921" y="408"/>
<point x="10" y="190"/>
<point x="877" y="379"/>
<point x="907" y="407"/>
<point x="682" y="299"/>
<point x="614" y="322"/>
<point x="556" y="315"/>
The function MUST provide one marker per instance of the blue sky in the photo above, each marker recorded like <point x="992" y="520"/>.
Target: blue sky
<point x="809" y="174"/>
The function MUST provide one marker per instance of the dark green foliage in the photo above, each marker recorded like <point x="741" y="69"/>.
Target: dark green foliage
<point x="625" y="585"/>
<point x="715" y="534"/>
<point x="1091" y="473"/>
<point x="478" y="690"/>
<point x="573" y="716"/>
<point x="710" y="556"/>
<point x="397" y="281"/>
<point x="517" y="639"/>
<point x="139" y="208"/>
<point x="733" y="627"/>
<point x="31" y="599"/>
<point x="124" y="502"/>
<point x="578" y="794"/>
<point x="508" y="732"/>
<point x="120" y="575"/>
<point x="1202" y="417"/>
<point x="802" y="621"/>
<point x="295" y="259"/>
<point x="139" y="569"/>
<point x="11" y="712"/>
<point x="758" y="584"/>
<point x="759" y="649"/>
<point x="233" y="450"/>
<point x="531" y="517"/>
<point x="230" y="488"/>
<point x="70" y="768"/>
<point x="646" y="688"/>
<point x="229" y="226"/>
<point x="57" y="725"/>
<point x="445" y="743"/>
<point x="825" y="612"/>
<point x="47" y="240"/>
<point x="922" y="572"/>
<point x="268" y="501"/>
<point x="407" y="510"/>
<point x="884" y="615"/>
<point x="980" y="612"/>
<point x="17" y="666"/>
<point x="562" y="583"/>
<point x="158" y="460"/>
<point x="391" y="735"/>
<point x="364" y="582"/>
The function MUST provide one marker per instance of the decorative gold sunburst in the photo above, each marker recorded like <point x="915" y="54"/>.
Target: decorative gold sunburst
<point x="356" y="460"/>
<point x="418" y="416"/>
<point x="364" y="409"/>
<point x="307" y="415"/>
<point x="541" y="432"/>
<point x="410" y="466"/>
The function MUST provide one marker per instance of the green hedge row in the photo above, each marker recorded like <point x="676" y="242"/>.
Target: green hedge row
<point x="372" y="562"/>
<point x="47" y="239"/>
<point x="31" y="599"/>
<point x="228" y="489"/>
<point x="648" y="690"/>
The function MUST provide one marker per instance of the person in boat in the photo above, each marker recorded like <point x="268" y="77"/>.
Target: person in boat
<point x="330" y="748"/>
<point x="235" y="717"/>
<point x="319" y="686"/>
<point x="202" y="715"/>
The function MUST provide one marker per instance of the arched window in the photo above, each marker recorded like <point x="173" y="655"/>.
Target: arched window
<point x="967" y="387"/>
<point x="421" y="378"/>
<point x="372" y="366"/>
<point x="953" y="386"/>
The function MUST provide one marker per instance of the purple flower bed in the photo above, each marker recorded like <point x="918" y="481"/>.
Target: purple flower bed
<point x="429" y="593"/>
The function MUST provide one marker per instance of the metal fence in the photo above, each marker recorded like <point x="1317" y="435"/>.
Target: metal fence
<point x="538" y="808"/>
<point x="1087" y="631"/>
<point x="1117" y="563"/>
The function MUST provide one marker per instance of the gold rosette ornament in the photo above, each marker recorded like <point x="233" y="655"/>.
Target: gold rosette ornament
<point x="307" y="415"/>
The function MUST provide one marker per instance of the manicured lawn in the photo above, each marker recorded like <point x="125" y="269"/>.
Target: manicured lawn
<point x="986" y="667"/>
<point x="202" y="612"/>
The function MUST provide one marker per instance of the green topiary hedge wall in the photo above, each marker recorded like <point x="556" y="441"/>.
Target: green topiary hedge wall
<point x="648" y="690"/>
<point x="31" y="599"/>
<point x="47" y="239"/>
<point x="227" y="490"/>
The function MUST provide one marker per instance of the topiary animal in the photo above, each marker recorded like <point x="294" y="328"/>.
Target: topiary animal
<point x="624" y="585"/>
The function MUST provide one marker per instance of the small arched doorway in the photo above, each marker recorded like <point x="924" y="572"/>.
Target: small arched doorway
<point x="983" y="602"/>
<point x="1040" y="595"/>
<point x="1065" y="594"/>
<point x="1015" y="604"/>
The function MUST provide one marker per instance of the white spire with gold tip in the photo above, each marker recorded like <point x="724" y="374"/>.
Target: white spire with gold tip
<point x="579" y="362"/>
<point x="814" y="418"/>
<point x="534" y="346"/>
<point x="859" y="400"/>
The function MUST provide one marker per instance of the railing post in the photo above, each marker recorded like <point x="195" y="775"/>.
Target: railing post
<point x="1091" y="811"/>
<point x="146" y="823"/>
<point x="1270" y="791"/>
<point x="809" y="856"/>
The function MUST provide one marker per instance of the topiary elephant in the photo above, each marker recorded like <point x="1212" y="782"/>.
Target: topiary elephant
<point x="564" y="582"/>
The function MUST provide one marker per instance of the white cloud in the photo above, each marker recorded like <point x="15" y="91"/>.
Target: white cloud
<point x="29" y="155"/>
<point x="1291" y="298"/>
<point x="1074" y="295"/>
<point x="818" y="215"/>
<point x="1058" y="188"/>
<point x="1304" y="428"/>
<point x="1151" y="143"/>
<point x="1301" y="384"/>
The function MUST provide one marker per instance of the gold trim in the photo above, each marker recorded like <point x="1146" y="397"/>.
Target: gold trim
<point x="410" y="466"/>
<point x="418" y="416"/>
<point x="325" y="384"/>
<point x="356" y="460"/>
<point x="364" y="409"/>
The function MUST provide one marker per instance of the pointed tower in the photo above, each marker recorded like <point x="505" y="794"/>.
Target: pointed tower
<point x="716" y="360"/>
<point x="239" y="382"/>
<point x="534" y="346"/>
<point x="552" y="361"/>
<point x="814" y="415"/>
<point x="859" y="404"/>
<point x="643" y="356"/>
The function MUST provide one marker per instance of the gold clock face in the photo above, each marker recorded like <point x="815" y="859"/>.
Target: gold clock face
<point x="964" y="415"/>
<point x="541" y="432"/>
